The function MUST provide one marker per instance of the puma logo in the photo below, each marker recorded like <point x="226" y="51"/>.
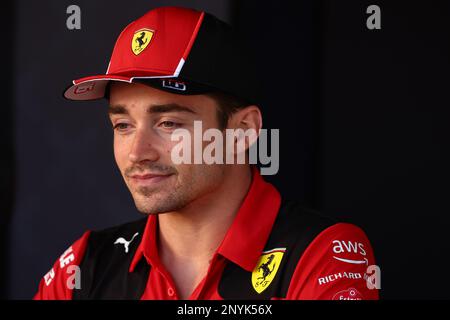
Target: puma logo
<point x="125" y="243"/>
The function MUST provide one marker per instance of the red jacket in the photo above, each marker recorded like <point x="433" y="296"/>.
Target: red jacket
<point x="273" y="250"/>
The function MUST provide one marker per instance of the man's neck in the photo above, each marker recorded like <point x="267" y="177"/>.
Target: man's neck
<point x="191" y="236"/>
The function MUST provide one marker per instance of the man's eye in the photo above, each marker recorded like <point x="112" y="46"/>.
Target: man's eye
<point x="169" y="124"/>
<point x="121" y="126"/>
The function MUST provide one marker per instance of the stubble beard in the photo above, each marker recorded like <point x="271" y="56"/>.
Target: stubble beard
<point x="171" y="198"/>
<point x="151" y="201"/>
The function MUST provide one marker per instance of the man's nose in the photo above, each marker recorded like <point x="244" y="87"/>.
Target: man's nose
<point x="143" y="148"/>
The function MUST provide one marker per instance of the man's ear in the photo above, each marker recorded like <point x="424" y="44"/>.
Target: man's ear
<point x="248" y="118"/>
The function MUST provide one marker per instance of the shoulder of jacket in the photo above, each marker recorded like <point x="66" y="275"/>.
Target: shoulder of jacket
<point x="126" y="230"/>
<point x="301" y="220"/>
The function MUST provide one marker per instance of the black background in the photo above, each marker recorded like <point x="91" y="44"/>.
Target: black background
<point x="363" y="118"/>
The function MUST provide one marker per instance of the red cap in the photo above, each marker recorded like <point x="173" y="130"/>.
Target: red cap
<point x="180" y="50"/>
<point x="153" y="46"/>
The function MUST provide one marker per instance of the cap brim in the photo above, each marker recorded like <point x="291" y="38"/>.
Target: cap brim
<point x="92" y="88"/>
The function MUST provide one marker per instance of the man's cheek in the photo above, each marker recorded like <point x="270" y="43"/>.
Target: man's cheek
<point x="168" y="153"/>
<point x="120" y="155"/>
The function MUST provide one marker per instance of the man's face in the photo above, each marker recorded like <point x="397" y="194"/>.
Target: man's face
<point x="143" y="119"/>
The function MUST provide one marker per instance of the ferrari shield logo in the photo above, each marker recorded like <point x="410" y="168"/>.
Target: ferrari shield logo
<point x="141" y="40"/>
<point x="266" y="268"/>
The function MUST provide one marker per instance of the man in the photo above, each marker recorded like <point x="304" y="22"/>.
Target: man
<point x="212" y="230"/>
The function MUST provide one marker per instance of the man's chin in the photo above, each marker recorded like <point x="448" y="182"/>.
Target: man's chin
<point x="150" y="210"/>
<point x="155" y="204"/>
<point x="146" y="209"/>
<point x="146" y="205"/>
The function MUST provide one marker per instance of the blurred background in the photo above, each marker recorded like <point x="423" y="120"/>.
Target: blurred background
<point x="363" y="118"/>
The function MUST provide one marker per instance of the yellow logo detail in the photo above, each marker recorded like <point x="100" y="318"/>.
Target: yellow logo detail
<point x="266" y="268"/>
<point x="141" y="40"/>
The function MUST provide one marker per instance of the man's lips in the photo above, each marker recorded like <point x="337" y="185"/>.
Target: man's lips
<point x="148" y="178"/>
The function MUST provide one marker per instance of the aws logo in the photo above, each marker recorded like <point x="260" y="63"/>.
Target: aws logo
<point x="141" y="40"/>
<point x="266" y="268"/>
<point x="350" y="247"/>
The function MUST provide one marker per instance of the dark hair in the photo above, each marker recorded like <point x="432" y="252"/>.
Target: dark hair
<point x="227" y="105"/>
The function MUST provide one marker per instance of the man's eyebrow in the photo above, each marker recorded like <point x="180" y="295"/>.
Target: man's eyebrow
<point x="160" y="108"/>
<point x="117" y="109"/>
<point x="170" y="107"/>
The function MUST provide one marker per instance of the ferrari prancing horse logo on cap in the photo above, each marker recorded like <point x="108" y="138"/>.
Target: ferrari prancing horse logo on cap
<point x="266" y="268"/>
<point x="141" y="40"/>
